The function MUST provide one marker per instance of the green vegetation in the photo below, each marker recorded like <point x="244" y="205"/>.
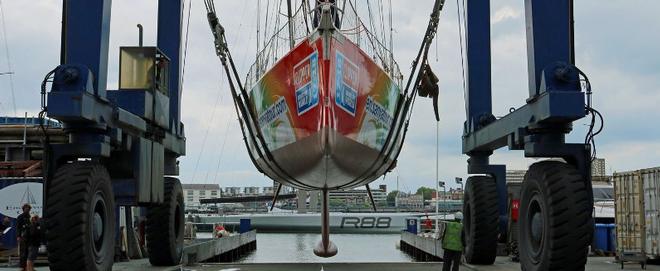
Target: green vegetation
<point x="426" y="192"/>
<point x="391" y="197"/>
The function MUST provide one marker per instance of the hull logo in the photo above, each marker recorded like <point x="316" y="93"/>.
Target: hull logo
<point x="367" y="222"/>
<point x="306" y="83"/>
<point x="347" y="78"/>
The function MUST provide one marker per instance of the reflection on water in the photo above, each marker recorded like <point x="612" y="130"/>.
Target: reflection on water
<point x="291" y="247"/>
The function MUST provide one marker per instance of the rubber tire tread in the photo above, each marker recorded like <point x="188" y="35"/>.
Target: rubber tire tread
<point x="481" y="237"/>
<point x="165" y="246"/>
<point x="568" y="217"/>
<point x="70" y="193"/>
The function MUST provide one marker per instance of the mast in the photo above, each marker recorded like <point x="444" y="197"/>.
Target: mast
<point x="391" y="45"/>
<point x="292" y="41"/>
<point x="396" y="196"/>
<point x="257" y="68"/>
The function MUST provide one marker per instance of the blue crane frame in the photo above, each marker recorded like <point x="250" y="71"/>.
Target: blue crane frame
<point x="113" y="126"/>
<point x="555" y="95"/>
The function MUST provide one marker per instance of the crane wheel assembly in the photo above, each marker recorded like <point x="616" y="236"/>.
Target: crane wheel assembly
<point x="480" y="220"/>
<point x="165" y="226"/>
<point x="556" y="222"/>
<point x="80" y="215"/>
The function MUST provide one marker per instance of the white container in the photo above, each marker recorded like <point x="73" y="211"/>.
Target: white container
<point x="637" y="212"/>
<point x="651" y="180"/>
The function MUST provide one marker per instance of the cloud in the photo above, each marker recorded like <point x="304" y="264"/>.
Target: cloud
<point x="620" y="59"/>
<point x="505" y="13"/>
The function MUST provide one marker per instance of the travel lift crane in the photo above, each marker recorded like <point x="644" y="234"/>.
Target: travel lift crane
<point x="425" y="83"/>
<point x="123" y="144"/>
<point x="556" y="205"/>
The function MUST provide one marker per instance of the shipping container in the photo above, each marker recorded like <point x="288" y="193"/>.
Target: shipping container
<point x="651" y="180"/>
<point x="637" y="212"/>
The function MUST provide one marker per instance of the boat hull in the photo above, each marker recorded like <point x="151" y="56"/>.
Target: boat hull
<point x="310" y="223"/>
<point x="326" y="113"/>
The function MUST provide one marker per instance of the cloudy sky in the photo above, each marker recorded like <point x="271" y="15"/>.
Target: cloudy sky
<point x="616" y="45"/>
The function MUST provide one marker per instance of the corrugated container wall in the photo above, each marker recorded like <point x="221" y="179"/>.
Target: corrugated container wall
<point x="651" y="180"/>
<point x="629" y="212"/>
<point x="637" y="212"/>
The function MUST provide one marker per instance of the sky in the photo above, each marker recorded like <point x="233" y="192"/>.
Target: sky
<point x="616" y="45"/>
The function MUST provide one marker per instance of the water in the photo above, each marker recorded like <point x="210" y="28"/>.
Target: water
<point x="298" y="248"/>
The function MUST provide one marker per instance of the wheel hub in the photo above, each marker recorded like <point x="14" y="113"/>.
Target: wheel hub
<point x="97" y="227"/>
<point x="99" y="220"/>
<point x="535" y="226"/>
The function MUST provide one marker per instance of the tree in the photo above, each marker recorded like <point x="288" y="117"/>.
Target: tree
<point x="391" y="197"/>
<point x="427" y="193"/>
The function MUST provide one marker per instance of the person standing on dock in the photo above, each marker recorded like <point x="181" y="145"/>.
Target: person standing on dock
<point x="428" y="224"/>
<point x="22" y="228"/>
<point x="34" y="237"/>
<point x="452" y="243"/>
<point x="6" y="223"/>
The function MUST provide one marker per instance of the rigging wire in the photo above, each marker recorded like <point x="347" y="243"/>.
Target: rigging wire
<point x="382" y="23"/>
<point x="258" y="28"/>
<point x="218" y="100"/>
<point x="371" y="18"/>
<point x="304" y="8"/>
<point x="371" y="38"/>
<point x="391" y="39"/>
<point x="208" y="127"/>
<point x="185" y="47"/>
<point x="460" y="40"/>
<point x="10" y="72"/>
<point x="266" y="21"/>
<point x="228" y="124"/>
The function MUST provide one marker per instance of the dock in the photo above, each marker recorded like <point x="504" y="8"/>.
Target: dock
<point x="421" y="248"/>
<point x="501" y="264"/>
<point x="427" y="249"/>
<point x="218" y="250"/>
<point x="225" y="249"/>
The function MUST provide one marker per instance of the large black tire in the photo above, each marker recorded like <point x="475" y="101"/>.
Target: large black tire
<point x="556" y="223"/>
<point x="80" y="218"/>
<point x="481" y="220"/>
<point x="165" y="224"/>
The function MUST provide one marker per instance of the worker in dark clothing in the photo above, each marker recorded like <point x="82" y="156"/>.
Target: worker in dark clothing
<point x="452" y="243"/>
<point x="34" y="238"/>
<point x="22" y="227"/>
<point x="6" y="223"/>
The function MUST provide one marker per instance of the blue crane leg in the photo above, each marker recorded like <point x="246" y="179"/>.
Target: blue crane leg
<point x="86" y="38"/>
<point x="169" y="41"/>
<point x="479" y="100"/>
<point x="549" y="40"/>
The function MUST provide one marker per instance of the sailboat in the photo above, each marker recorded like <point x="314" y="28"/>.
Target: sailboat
<point x="324" y="107"/>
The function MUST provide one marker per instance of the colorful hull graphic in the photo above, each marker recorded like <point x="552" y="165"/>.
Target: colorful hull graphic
<point x="326" y="119"/>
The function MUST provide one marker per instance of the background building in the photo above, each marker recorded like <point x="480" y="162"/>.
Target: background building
<point x="268" y="190"/>
<point x="250" y="191"/>
<point x="194" y="192"/>
<point x="232" y="191"/>
<point x="515" y="176"/>
<point x="598" y="167"/>
<point x="360" y="196"/>
<point x="410" y="201"/>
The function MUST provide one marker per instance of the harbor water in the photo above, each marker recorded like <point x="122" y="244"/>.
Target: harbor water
<point x="297" y="247"/>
